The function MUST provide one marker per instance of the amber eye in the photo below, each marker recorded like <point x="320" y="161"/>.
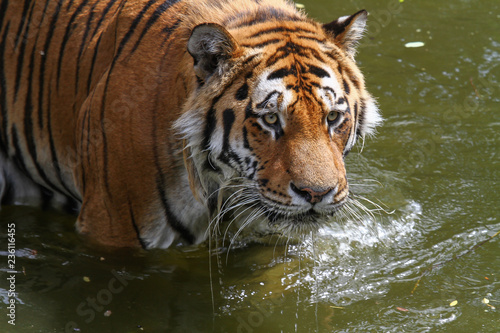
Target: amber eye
<point x="271" y="118"/>
<point x="332" y="116"/>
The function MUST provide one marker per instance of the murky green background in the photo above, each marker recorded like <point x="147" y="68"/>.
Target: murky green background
<point x="434" y="168"/>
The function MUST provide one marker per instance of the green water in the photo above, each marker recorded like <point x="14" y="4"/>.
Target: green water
<point x="433" y="167"/>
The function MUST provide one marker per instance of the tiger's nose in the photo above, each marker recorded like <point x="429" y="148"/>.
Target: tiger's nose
<point x="311" y="195"/>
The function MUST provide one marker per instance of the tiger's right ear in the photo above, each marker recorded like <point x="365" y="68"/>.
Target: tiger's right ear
<point x="210" y="45"/>
<point x="348" y="30"/>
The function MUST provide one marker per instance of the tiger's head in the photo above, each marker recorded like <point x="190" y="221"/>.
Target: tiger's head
<point x="278" y="106"/>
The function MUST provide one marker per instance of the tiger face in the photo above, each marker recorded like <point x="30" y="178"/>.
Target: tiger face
<point x="287" y="104"/>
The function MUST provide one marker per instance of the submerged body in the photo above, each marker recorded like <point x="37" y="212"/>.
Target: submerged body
<point x="148" y="115"/>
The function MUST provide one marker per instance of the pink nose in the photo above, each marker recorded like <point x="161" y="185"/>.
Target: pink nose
<point x="311" y="195"/>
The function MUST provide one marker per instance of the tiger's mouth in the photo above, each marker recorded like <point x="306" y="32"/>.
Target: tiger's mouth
<point x="300" y="222"/>
<point x="256" y="212"/>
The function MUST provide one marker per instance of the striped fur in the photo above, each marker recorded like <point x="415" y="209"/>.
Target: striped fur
<point x="149" y="117"/>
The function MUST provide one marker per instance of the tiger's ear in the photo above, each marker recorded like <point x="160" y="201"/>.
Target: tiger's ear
<point x="210" y="45"/>
<point x="348" y="30"/>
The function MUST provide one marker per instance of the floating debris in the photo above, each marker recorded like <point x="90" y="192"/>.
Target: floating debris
<point x="401" y="309"/>
<point x="455" y="302"/>
<point x="485" y="301"/>
<point x="107" y="313"/>
<point x="86" y="279"/>
<point x="300" y="6"/>
<point x="414" y="44"/>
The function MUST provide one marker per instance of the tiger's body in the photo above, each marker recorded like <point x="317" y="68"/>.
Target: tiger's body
<point x="147" y="115"/>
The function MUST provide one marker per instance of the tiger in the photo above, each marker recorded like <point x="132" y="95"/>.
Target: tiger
<point x="154" y="120"/>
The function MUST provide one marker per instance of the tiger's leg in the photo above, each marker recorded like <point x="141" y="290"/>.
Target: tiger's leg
<point x="105" y="217"/>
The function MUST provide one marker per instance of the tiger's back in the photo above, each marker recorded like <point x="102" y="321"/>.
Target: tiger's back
<point x="99" y="100"/>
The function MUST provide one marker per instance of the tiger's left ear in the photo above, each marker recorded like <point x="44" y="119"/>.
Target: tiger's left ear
<point x="348" y="30"/>
<point x="211" y="45"/>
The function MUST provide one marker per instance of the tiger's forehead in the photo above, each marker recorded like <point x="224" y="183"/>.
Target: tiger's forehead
<point x="280" y="87"/>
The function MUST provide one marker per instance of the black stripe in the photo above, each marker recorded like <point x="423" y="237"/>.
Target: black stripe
<point x="70" y="4"/>
<point x="247" y="61"/>
<point x="123" y="42"/>
<point x="295" y="49"/>
<point x="134" y="225"/>
<point x="228" y="155"/>
<point x="104" y="13"/>
<point x="82" y="45"/>
<point x="275" y="58"/>
<point x="152" y="19"/>
<point x="281" y="73"/>
<point x="246" y="144"/>
<point x="280" y="29"/>
<point x="41" y="79"/>
<point x="4" y="143"/>
<point x="210" y="123"/>
<point x="132" y="27"/>
<point x="169" y="30"/>
<point x="28" y="123"/>
<point x="330" y="90"/>
<point x="8" y="195"/>
<point x="339" y="66"/>
<point x="18" y="154"/>
<point x="348" y="72"/>
<point x="315" y="39"/>
<point x="263" y="104"/>
<point x="20" y="60"/>
<point x="228" y="121"/>
<point x="30" y="141"/>
<point x="347" y="89"/>
<point x="69" y="27"/>
<point x="355" y="111"/>
<point x="94" y="58"/>
<point x="23" y="21"/>
<point x="263" y="14"/>
<point x="53" y="152"/>
<point x="3" y="9"/>
<point x="161" y="185"/>
<point x="361" y="117"/>
<point x="249" y="111"/>
<point x="262" y="44"/>
<point x="171" y="218"/>
<point x="242" y="92"/>
<point x="319" y="72"/>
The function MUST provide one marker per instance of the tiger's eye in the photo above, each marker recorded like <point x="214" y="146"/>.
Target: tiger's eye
<point x="271" y="118"/>
<point x="332" y="116"/>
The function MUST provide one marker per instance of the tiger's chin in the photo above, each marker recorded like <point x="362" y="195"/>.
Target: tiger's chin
<point x="298" y="224"/>
<point x="286" y="224"/>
